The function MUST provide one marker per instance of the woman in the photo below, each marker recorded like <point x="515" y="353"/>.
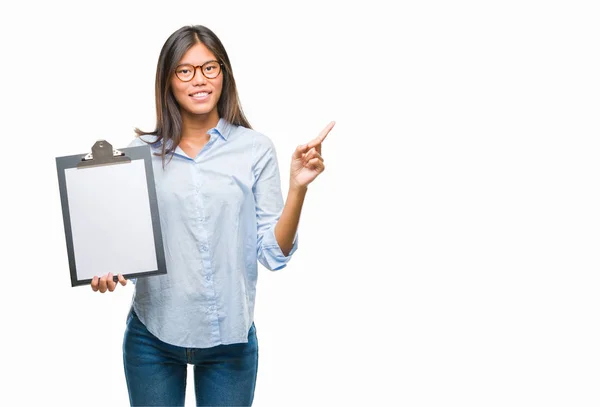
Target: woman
<point x="221" y="211"/>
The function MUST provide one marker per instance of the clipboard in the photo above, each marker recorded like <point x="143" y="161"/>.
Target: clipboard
<point x="110" y="213"/>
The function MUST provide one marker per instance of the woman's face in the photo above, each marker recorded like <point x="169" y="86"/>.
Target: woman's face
<point x="200" y="95"/>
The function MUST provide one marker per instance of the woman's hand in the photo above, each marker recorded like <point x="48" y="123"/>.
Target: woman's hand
<point x="106" y="283"/>
<point x="307" y="162"/>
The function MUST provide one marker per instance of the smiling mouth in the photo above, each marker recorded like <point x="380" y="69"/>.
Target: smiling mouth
<point x="200" y="94"/>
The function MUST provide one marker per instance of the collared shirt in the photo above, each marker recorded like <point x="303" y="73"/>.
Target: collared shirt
<point x="217" y="213"/>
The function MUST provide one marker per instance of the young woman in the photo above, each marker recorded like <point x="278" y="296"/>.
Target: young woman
<point x="221" y="211"/>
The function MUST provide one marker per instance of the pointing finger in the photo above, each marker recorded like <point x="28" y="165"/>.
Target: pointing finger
<point x="317" y="141"/>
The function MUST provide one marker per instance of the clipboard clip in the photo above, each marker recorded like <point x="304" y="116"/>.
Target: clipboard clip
<point x="103" y="153"/>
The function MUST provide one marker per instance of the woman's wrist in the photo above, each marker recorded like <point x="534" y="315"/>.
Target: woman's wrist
<point x="297" y="189"/>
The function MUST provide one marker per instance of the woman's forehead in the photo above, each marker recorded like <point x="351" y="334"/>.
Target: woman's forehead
<point x="197" y="55"/>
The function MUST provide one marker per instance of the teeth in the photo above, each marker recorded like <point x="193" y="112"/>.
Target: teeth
<point x="200" y="94"/>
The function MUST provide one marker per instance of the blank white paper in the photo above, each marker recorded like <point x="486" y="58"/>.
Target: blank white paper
<point x="110" y="219"/>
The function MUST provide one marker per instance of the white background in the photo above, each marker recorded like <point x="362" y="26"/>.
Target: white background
<point x="449" y="253"/>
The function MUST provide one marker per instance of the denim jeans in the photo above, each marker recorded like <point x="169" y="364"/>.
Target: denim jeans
<point x="156" y="372"/>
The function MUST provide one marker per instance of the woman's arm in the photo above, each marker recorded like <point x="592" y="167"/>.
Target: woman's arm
<point x="307" y="164"/>
<point x="287" y="225"/>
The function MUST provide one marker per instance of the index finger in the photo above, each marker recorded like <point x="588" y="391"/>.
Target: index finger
<point x="321" y="135"/>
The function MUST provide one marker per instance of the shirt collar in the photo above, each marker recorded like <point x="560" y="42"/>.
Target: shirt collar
<point x="222" y="129"/>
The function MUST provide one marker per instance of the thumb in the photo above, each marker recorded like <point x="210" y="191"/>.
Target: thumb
<point x="301" y="149"/>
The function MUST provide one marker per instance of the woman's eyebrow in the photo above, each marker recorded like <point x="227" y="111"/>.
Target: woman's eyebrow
<point x="189" y="63"/>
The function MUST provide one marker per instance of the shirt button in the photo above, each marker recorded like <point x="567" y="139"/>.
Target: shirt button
<point x="207" y="278"/>
<point x="204" y="247"/>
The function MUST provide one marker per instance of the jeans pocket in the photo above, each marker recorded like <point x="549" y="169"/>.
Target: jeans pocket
<point x="252" y="334"/>
<point x="130" y="315"/>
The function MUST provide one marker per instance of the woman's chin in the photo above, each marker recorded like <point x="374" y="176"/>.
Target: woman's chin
<point x="199" y="110"/>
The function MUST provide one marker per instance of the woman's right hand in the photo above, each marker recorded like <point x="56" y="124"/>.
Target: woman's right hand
<point x="106" y="283"/>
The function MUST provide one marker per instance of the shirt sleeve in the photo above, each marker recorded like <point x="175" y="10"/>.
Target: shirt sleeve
<point x="269" y="205"/>
<point x="136" y="142"/>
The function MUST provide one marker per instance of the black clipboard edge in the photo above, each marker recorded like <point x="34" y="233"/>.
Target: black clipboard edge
<point x="142" y="274"/>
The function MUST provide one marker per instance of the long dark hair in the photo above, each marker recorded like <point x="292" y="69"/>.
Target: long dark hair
<point x="168" y="115"/>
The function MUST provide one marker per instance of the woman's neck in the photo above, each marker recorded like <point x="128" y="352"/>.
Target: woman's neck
<point x="197" y="126"/>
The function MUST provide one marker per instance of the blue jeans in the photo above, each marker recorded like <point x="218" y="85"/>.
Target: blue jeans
<point x="156" y="372"/>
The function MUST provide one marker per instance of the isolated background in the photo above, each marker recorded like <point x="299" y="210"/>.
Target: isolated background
<point x="449" y="253"/>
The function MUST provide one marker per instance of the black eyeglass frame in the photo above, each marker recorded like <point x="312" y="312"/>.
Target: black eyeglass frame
<point x="221" y="66"/>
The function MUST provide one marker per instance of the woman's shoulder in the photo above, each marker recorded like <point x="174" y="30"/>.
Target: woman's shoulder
<point x="258" y="139"/>
<point x="143" y="140"/>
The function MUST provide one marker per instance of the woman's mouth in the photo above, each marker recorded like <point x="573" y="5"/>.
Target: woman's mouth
<point x="200" y="96"/>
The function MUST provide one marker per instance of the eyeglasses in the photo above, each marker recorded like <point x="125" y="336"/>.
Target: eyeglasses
<point x="210" y="70"/>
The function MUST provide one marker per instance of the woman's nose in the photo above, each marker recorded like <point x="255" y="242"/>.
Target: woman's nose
<point x="198" y="78"/>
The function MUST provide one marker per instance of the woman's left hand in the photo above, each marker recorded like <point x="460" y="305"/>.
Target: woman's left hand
<point x="307" y="162"/>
